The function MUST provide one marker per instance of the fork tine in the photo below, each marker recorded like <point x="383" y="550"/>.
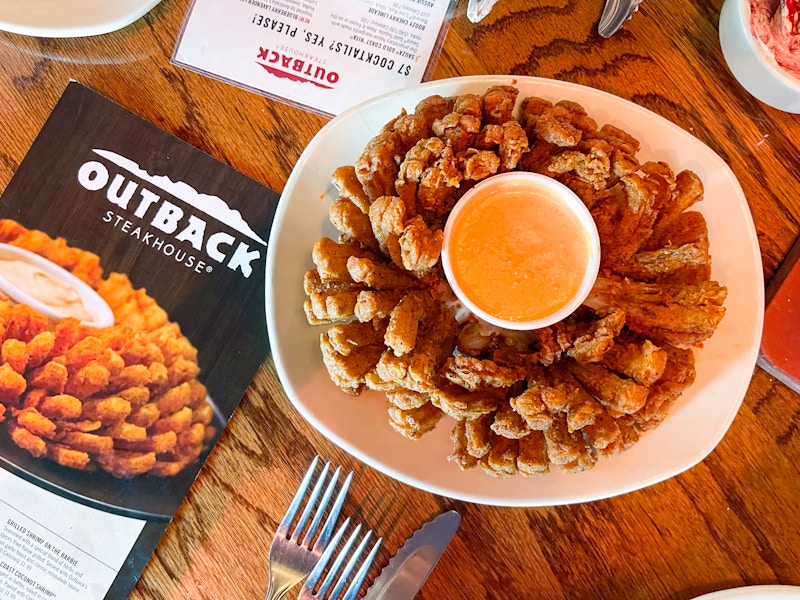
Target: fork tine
<point x="338" y="576"/>
<point x="358" y="580"/>
<point x="312" y="499"/>
<point x="355" y="585"/>
<point x="330" y="523"/>
<point x="314" y="577"/>
<point x="291" y="512"/>
<point x="333" y="572"/>
<point x="320" y="511"/>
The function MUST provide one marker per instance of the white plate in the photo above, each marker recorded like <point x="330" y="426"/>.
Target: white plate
<point x="755" y="592"/>
<point x="70" y="18"/>
<point x="359" y="424"/>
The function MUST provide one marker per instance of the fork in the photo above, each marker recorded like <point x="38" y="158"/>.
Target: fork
<point x="336" y="578"/>
<point x="290" y="558"/>
<point x="615" y="13"/>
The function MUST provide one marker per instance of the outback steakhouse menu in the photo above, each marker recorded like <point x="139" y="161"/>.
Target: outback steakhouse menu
<point x="322" y="56"/>
<point x="131" y="323"/>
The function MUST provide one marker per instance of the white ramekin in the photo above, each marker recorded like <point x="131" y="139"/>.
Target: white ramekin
<point x="101" y="313"/>
<point x="522" y="180"/>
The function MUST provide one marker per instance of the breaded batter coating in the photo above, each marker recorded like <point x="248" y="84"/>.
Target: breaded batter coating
<point x="405" y="319"/>
<point x="387" y="216"/>
<point x="420" y="246"/>
<point x="474" y="374"/>
<point x="354" y="224"/>
<point x="376" y="168"/>
<point x="413" y="423"/>
<point x="346" y="181"/>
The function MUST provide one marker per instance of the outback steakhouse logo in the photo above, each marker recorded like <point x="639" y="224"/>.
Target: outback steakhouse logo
<point x="296" y="69"/>
<point x="195" y="229"/>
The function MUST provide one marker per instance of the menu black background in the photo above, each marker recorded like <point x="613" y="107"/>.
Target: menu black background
<point x="222" y="312"/>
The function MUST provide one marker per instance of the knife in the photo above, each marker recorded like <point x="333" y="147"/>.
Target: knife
<point x="407" y="571"/>
<point x="615" y="13"/>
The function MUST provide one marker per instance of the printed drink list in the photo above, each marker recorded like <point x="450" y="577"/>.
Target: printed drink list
<point x="322" y="56"/>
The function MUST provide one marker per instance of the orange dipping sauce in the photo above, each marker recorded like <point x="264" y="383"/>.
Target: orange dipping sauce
<point x="518" y="251"/>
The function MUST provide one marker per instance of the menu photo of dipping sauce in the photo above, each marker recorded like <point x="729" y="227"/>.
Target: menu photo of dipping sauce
<point x="322" y="56"/>
<point x="28" y="278"/>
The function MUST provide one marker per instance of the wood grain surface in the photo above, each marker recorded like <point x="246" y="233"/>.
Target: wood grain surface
<point x="732" y="520"/>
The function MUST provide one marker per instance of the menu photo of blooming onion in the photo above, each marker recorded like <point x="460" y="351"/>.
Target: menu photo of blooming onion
<point x="131" y="307"/>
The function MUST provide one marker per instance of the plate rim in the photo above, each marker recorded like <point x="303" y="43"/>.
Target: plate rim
<point x="746" y="592"/>
<point x="119" y="19"/>
<point x="421" y="91"/>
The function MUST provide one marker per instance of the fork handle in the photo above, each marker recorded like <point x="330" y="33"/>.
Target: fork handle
<point x="276" y="591"/>
<point x="281" y="580"/>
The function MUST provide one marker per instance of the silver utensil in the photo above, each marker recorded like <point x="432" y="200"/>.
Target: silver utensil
<point x="408" y="570"/>
<point x="478" y="9"/>
<point x="290" y="557"/>
<point x="338" y="573"/>
<point x="615" y="13"/>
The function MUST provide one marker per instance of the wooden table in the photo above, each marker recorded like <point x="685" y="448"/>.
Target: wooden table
<point x="732" y="520"/>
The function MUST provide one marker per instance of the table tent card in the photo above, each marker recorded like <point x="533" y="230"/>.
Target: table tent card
<point x="132" y="321"/>
<point x="321" y="56"/>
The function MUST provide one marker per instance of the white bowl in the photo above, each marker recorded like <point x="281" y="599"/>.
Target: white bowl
<point x="70" y="18"/>
<point x="100" y="314"/>
<point x="523" y="181"/>
<point x="751" y="63"/>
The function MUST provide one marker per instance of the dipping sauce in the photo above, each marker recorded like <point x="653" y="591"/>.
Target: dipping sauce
<point x="778" y="351"/>
<point x="44" y="287"/>
<point x="521" y="250"/>
<point x="775" y="25"/>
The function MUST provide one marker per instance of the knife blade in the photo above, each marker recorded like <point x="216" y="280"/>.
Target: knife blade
<point x="615" y="13"/>
<point x="408" y="570"/>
